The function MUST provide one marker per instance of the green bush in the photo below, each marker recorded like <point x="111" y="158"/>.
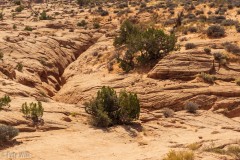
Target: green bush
<point x="108" y="109"/>
<point x="19" y="8"/>
<point x="28" y="28"/>
<point x="7" y="133"/>
<point x="150" y="44"/>
<point x="96" y="25"/>
<point x="190" y="46"/>
<point x="19" y="67"/>
<point x="44" y="16"/>
<point x="82" y="23"/>
<point x="33" y="111"/>
<point x="207" y="77"/>
<point x="129" y="107"/>
<point x="4" y="101"/>
<point x="207" y="50"/>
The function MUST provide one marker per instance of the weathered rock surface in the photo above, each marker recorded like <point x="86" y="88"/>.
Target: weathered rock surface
<point x="182" y="65"/>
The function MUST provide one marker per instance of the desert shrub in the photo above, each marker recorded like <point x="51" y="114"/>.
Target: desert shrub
<point x="7" y="133"/>
<point x="191" y="107"/>
<point x="129" y="107"/>
<point x="179" y="155"/>
<point x="232" y="48"/>
<point x="4" y="101"/>
<point x="207" y="50"/>
<point x="238" y="81"/>
<point x="167" y="112"/>
<point x="14" y="26"/>
<point x="19" y="67"/>
<point x="44" y="16"/>
<point x="215" y="31"/>
<point x="96" y="25"/>
<point x="104" y="13"/>
<point x="82" y="23"/>
<point x="33" y="111"/>
<point x="28" y="28"/>
<point x="202" y="18"/>
<point x="83" y="2"/>
<point x="151" y="44"/>
<point x="237" y="28"/>
<point x="190" y="46"/>
<point x="216" y="19"/>
<point x="238" y="12"/>
<point x="207" y="77"/>
<point x="194" y="146"/>
<point x="17" y="2"/>
<point x="229" y="22"/>
<point x="234" y="150"/>
<point x="1" y="16"/>
<point x="192" y="29"/>
<point x="108" y="109"/>
<point x="220" y="58"/>
<point x="19" y="8"/>
<point x="1" y="55"/>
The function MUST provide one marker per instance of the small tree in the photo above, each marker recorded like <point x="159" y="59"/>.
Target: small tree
<point x="33" y="111"/>
<point x="144" y="46"/>
<point x="4" y="101"/>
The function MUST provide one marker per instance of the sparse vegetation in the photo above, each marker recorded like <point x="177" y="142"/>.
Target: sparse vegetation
<point x="4" y="101"/>
<point x="190" y="46"/>
<point x="179" y="155"/>
<point x="207" y="50"/>
<point x="238" y="81"/>
<point x="96" y="25"/>
<point x="207" y="77"/>
<point x="28" y="28"/>
<point x="34" y="111"/>
<point x="232" y="150"/>
<point x="108" y="109"/>
<point x="44" y="16"/>
<point x="151" y="44"/>
<point x="232" y="48"/>
<point x="191" y="107"/>
<point x="1" y="16"/>
<point x="83" y="23"/>
<point x="7" y="133"/>
<point x="220" y="58"/>
<point x="19" y="67"/>
<point x="167" y="112"/>
<point x="1" y="56"/>
<point x="215" y="31"/>
<point x="19" y="8"/>
<point x="194" y="146"/>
